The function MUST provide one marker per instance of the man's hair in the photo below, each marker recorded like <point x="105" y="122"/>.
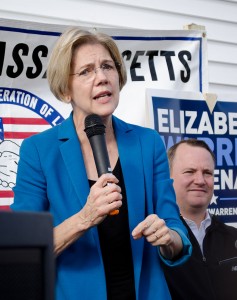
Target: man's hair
<point x="191" y="142"/>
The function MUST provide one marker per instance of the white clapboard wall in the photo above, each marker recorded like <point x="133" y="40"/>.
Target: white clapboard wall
<point x="218" y="16"/>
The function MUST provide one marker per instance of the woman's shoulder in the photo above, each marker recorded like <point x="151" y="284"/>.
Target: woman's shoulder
<point x="135" y="127"/>
<point x="42" y="136"/>
<point x="51" y="134"/>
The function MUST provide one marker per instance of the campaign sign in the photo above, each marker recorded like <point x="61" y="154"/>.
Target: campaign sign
<point x="179" y="118"/>
<point x="174" y="59"/>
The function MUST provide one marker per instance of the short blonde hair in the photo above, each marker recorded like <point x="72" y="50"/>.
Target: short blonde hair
<point x="60" y="62"/>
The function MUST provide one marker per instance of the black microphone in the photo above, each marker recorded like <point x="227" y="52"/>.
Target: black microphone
<point x="95" y="131"/>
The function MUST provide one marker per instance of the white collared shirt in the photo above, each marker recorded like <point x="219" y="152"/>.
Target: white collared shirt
<point x="200" y="232"/>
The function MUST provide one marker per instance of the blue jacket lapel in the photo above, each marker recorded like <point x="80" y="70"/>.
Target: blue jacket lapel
<point x="72" y="156"/>
<point x="130" y="154"/>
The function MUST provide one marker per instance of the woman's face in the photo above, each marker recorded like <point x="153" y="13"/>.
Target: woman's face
<point x="94" y="87"/>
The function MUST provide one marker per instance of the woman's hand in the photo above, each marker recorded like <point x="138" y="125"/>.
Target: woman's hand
<point x="157" y="233"/>
<point x="105" y="197"/>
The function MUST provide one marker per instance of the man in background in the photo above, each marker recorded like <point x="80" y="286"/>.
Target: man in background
<point x="211" y="272"/>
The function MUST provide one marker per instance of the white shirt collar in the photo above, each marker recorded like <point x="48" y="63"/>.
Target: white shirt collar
<point x="200" y="232"/>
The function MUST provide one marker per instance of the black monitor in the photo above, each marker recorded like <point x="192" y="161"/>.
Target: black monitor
<point x="27" y="263"/>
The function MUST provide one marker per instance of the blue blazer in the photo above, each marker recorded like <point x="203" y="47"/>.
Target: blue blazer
<point x="52" y="177"/>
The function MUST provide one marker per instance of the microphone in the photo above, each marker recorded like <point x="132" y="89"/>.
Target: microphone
<point x="95" y="131"/>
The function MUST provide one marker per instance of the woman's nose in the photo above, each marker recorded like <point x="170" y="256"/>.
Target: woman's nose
<point x="100" y="73"/>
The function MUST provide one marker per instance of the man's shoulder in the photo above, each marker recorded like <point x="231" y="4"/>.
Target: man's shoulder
<point x="221" y="226"/>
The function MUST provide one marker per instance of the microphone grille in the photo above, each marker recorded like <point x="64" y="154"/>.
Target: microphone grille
<point x="94" y="125"/>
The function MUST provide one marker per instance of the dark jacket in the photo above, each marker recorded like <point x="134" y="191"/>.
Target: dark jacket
<point x="211" y="275"/>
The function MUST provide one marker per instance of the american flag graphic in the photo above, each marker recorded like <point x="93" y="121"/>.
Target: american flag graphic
<point x="21" y="128"/>
<point x="12" y="132"/>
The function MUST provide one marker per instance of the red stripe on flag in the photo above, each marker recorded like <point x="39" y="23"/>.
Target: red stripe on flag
<point x="6" y="194"/>
<point x="25" y="121"/>
<point x="4" y="207"/>
<point x="17" y="135"/>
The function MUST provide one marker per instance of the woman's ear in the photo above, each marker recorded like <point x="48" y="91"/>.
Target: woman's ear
<point x="67" y="97"/>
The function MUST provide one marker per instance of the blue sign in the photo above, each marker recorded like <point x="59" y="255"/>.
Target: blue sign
<point x="177" y="119"/>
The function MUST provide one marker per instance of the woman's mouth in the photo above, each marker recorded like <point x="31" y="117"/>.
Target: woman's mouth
<point x="102" y="95"/>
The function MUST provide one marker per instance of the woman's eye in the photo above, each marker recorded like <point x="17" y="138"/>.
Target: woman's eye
<point x="107" y="67"/>
<point x="85" y="72"/>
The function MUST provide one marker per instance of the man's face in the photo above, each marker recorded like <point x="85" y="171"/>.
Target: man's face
<point x="193" y="174"/>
